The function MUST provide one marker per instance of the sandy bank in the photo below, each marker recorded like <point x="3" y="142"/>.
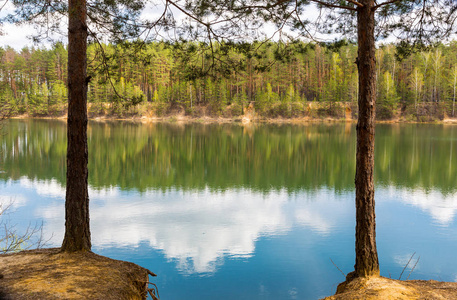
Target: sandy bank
<point x="384" y="288"/>
<point x="181" y="118"/>
<point x="49" y="274"/>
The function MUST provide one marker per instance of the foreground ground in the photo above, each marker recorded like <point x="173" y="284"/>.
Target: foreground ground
<point x="385" y="288"/>
<point x="49" y="274"/>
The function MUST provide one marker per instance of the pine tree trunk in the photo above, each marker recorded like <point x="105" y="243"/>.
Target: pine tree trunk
<point x="453" y="100"/>
<point x="77" y="231"/>
<point x="366" y="254"/>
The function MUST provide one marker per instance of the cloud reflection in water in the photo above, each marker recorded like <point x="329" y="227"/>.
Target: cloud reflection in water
<point x="198" y="229"/>
<point x="442" y="208"/>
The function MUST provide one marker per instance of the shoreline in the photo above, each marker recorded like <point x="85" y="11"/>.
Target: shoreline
<point x="180" y="118"/>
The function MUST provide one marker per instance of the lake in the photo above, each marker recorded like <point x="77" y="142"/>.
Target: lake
<point x="226" y="211"/>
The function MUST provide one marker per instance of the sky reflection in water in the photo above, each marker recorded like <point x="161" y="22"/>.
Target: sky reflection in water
<point x="248" y="242"/>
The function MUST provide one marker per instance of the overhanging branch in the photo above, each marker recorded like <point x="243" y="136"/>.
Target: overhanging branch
<point x="335" y="5"/>
<point x="384" y="3"/>
<point x="355" y="3"/>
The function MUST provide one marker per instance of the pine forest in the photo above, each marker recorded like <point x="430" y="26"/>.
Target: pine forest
<point x="276" y="79"/>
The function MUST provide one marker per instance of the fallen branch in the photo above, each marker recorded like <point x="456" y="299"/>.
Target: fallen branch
<point x="338" y="268"/>
<point x="413" y="268"/>
<point x="406" y="265"/>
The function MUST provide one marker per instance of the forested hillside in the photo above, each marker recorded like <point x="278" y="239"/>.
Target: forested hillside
<point x="280" y="80"/>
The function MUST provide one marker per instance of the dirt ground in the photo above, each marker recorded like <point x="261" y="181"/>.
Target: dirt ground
<point x="49" y="274"/>
<point x="384" y="288"/>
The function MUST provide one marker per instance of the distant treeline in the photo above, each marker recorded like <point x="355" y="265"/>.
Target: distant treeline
<point x="279" y="79"/>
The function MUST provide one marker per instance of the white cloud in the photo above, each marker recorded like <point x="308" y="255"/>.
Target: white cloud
<point x="10" y="198"/>
<point x="50" y="188"/>
<point x="199" y="229"/>
<point x="402" y="261"/>
<point x="314" y="220"/>
<point x="195" y="229"/>
<point x="12" y="201"/>
<point x="17" y="36"/>
<point x="442" y="208"/>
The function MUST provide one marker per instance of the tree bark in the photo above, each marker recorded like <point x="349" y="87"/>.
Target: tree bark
<point x="77" y="231"/>
<point x="365" y="246"/>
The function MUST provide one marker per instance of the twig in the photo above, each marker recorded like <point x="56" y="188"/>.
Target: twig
<point x="152" y="295"/>
<point x="406" y="265"/>
<point x="413" y="268"/>
<point x="338" y="268"/>
<point x="152" y="291"/>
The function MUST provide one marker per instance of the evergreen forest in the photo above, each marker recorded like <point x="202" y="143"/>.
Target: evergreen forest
<point x="279" y="80"/>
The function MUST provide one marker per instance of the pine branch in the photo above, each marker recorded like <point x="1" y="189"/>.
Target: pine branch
<point x="335" y="5"/>
<point x="385" y="3"/>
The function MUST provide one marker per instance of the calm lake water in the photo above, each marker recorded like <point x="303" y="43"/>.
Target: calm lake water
<point x="243" y="212"/>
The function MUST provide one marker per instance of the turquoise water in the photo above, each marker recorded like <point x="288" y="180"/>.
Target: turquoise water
<point x="242" y="212"/>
